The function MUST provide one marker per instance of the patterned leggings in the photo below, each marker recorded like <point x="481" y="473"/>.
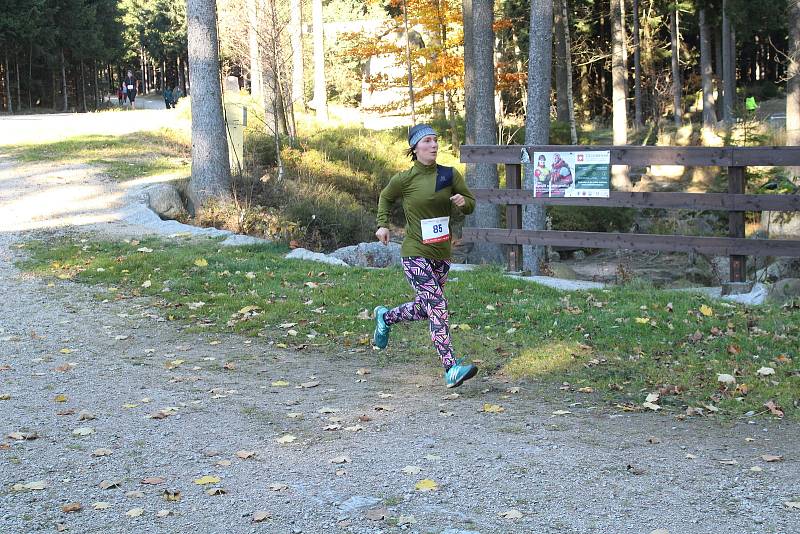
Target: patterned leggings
<point x="427" y="277"/>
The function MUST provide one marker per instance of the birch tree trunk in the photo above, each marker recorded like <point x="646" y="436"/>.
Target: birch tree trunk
<point x="573" y="132"/>
<point x="619" y="173"/>
<point x="211" y="178"/>
<point x="296" y="24"/>
<point x="253" y="26"/>
<point x="537" y="120"/>
<point x="485" y="176"/>
<point x="320" y="95"/>
<point x="676" y="72"/>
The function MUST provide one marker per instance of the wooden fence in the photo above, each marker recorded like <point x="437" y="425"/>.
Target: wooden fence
<point x="735" y="202"/>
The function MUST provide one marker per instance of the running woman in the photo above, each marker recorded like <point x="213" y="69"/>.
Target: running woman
<point x="428" y="192"/>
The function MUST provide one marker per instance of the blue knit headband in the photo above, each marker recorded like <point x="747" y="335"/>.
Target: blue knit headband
<point x="419" y="134"/>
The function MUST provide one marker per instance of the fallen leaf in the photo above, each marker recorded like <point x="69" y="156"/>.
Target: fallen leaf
<point x="224" y="463"/>
<point x="792" y="504"/>
<point x="773" y="408"/>
<point x="207" y="479"/>
<point x="201" y="262"/>
<point x="765" y="371"/>
<point x="30" y="486"/>
<point x="216" y="491"/>
<point x="426" y="485"/>
<point x="260" y="516"/>
<point x="108" y="484"/>
<point x="354" y="428"/>
<point x="363" y="371"/>
<point x="651" y="406"/>
<point x="690" y="456"/>
<point x="280" y="383"/>
<point x="171" y="495"/>
<point x="726" y="379"/>
<point x="153" y="480"/>
<point x="72" y="507"/>
<point x="85" y="415"/>
<point x="5" y="396"/>
<point x="144" y="249"/>
<point x="101" y="505"/>
<point x="652" y="397"/>
<point x="23" y="435"/>
<point x="340" y="460"/>
<point x="492" y="408"/>
<point x="101" y="452"/>
<point x="147" y="283"/>
<point x="83" y="431"/>
<point x="244" y="455"/>
<point x="635" y="470"/>
<point x="562" y="412"/>
<point x="411" y="470"/>
<point x="61" y="398"/>
<point x="586" y="390"/>
<point x="287" y="438"/>
<point x="163" y="513"/>
<point x="511" y="514"/>
<point x="771" y="458"/>
<point x="277" y="486"/>
<point x="706" y="310"/>
<point x="135" y="494"/>
<point x="308" y="385"/>
<point x="728" y="461"/>
<point x="135" y="512"/>
<point x="406" y="520"/>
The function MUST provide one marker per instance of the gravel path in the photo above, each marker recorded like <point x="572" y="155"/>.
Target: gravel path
<point x="168" y="406"/>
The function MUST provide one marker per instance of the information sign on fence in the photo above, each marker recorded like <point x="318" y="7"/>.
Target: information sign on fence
<point x="571" y="174"/>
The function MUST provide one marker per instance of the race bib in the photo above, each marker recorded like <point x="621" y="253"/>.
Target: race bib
<point x="435" y="230"/>
<point x="130" y="88"/>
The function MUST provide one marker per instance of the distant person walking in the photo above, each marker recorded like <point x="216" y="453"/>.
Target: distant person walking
<point x="168" y="101"/>
<point x="429" y="193"/>
<point x="130" y="85"/>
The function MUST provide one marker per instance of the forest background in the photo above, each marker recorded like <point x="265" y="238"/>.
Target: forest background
<point x="605" y="71"/>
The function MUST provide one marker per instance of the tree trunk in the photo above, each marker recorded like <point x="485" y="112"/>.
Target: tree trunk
<point x="469" y="77"/>
<point x="537" y="120"/>
<point x="676" y="72"/>
<point x="728" y="68"/>
<point x="793" y="82"/>
<point x="409" y="71"/>
<point x="19" y="89"/>
<point x="30" y="78"/>
<point x="320" y="89"/>
<point x="637" y="70"/>
<point x="560" y="55"/>
<point x="64" y="80"/>
<point x="296" y="25"/>
<point x="485" y="175"/>
<point x="9" y="103"/>
<point x="619" y="173"/>
<point x="211" y="177"/>
<point x="707" y="74"/>
<point x="253" y="28"/>
<point x="83" y="88"/>
<point x="649" y="64"/>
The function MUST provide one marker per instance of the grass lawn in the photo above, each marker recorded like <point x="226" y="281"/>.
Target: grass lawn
<point x="122" y="157"/>
<point x="619" y="345"/>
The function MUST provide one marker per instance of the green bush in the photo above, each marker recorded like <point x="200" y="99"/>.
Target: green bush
<point x="259" y="148"/>
<point x="591" y="219"/>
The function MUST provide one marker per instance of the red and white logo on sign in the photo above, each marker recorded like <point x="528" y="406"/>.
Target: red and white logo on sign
<point x="580" y="157"/>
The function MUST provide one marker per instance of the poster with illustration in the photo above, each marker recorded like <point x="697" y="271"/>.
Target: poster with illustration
<point x="572" y="174"/>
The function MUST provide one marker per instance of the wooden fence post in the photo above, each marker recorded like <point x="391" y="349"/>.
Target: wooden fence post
<point x="514" y="215"/>
<point x="736" y="185"/>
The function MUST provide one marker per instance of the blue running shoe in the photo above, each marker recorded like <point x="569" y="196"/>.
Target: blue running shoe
<point x="459" y="373"/>
<point x="380" y="338"/>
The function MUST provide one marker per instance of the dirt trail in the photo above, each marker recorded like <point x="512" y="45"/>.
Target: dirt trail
<point x="591" y="470"/>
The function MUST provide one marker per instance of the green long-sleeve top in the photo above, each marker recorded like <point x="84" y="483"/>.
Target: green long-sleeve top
<point x="417" y="189"/>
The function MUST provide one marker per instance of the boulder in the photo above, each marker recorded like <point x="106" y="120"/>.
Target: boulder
<point x="304" y="254"/>
<point x="779" y="269"/>
<point x="563" y="271"/>
<point x="165" y="200"/>
<point x="784" y="291"/>
<point x="237" y="240"/>
<point x="373" y="254"/>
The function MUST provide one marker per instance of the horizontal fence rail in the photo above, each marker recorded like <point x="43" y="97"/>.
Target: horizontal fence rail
<point x="624" y="199"/>
<point x="735" y="201"/>
<point x="694" y="156"/>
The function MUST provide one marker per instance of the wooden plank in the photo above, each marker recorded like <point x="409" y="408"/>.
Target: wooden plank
<point x="722" y="246"/>
<point x="623" y="199"/>
<point x="738" y="262"/>
<point x="514" y="216"/>
<point x="643" y="156"/>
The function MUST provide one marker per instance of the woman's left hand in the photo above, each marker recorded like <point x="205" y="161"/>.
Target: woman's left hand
<point x="458" y="200"/>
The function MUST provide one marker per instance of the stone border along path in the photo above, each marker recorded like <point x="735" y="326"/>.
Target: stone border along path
<point x="119" y="398"/>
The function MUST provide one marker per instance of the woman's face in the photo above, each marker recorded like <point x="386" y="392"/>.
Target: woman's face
<point x="426" y="149"/>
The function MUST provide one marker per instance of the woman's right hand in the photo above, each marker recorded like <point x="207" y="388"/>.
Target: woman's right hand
<point x="383" y="235"/>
